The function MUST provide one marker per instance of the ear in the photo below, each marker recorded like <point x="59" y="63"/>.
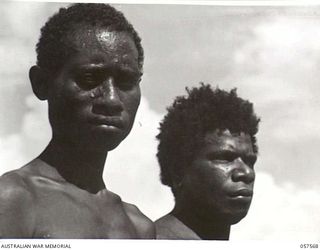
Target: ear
<point x="176" y="182"/>
<point x="39" y="81"/>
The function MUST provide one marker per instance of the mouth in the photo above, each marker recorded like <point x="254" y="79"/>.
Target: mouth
<point x="112" y="122"/>
<point x="242" y="192"/>
<point x="241" y="195"/>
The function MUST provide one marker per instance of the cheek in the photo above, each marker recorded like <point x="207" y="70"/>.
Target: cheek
<point x="211" y="179"/>
<point x="131" y="100"/>
<point x="70" y="102"/>
<point x="214" y="171"/>
<point x="67" y="91"/>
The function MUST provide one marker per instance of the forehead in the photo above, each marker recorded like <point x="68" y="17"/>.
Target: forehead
<point x="94" y="40"/>
<point x="225" y="140"/>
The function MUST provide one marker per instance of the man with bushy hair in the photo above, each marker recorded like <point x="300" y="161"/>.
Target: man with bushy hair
<point x="207" y="151"/>
<point x="89" y="66"/>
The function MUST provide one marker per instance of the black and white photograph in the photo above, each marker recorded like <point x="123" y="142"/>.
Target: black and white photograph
<point x="160" y="121"/>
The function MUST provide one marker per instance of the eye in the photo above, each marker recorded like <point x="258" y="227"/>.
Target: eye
<point x="89" y="79"/>
<point x="223" y="158"/>
<point x="127" y="81"/>
<point x="249" y="160"/>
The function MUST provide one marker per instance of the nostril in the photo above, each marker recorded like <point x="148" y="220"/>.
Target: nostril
<point x="244" y="175"/>
<point x="107" y="100"/>
<point x="107" y="108"/>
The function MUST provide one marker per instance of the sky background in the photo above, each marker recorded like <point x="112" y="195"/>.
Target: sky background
<point x="270" y="53"/>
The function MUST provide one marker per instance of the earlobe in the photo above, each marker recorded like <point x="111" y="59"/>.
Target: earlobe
<point x="39" y="82"/>
<point x="176" y="182"/>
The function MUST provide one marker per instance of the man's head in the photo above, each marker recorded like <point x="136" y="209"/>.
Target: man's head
<point x="89" y="67"/>
<point x="207" y="150"/>
<point x="54" y="46"/>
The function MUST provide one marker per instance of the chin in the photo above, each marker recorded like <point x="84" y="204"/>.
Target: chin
<point x="107" y="143"/>
<point x="236" y="217"/>
<point x="112" y="145"/>
<point x="94" y="141"/>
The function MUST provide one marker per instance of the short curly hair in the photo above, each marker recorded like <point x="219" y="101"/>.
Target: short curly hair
<point x="53" y="48"/>
<point x="188" y="120"/>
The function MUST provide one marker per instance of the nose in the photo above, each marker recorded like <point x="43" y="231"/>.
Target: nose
<point x="243" y="172"/>
<point x="108" y="101"/>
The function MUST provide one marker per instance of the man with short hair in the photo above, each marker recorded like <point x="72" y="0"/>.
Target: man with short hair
<point x="207" y="151"/>
<point x="89" y="68"/>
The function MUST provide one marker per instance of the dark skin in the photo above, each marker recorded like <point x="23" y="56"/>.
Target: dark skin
<point x="215" y="191"/>
<point x="92" y="101"/>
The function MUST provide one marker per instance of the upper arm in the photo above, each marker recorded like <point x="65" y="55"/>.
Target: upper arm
<point x="144" y="226"/>
<point x="15" y="206"/>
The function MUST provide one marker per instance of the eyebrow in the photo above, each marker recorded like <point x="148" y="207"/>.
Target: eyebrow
<point x="100" y="67"/>
<point x="231" y="153"/>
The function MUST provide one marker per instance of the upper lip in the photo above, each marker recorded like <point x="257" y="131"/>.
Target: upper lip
<point x="242" y="192"/>
<point x="115" y="121"/>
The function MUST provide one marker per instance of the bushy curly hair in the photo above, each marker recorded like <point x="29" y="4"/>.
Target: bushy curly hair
<point x="53" y="48"/>
<point x="188" y="120"/>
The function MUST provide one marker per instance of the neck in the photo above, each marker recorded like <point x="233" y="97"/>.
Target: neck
<point x="81" y="166"/>
<point x="207" y="227"/>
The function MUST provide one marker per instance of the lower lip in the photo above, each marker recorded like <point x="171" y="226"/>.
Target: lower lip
<point x="108" y="127"/>
<point x="241" y="198"/>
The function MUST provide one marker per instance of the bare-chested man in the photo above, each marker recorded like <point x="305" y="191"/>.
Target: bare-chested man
<point x="88" y="69"/>
<point x="207" y="153"/>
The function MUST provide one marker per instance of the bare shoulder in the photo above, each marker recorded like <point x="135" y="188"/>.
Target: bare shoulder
<point x="165" y="227"/>
<point x="144" y="226"/>
<point x="16" y="200"/>
<point x="171" y="228"/>
<point x="14" y="187"/>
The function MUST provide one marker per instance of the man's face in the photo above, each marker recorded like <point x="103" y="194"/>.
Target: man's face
<point x="220" y="180"/>
<point x="95" y="95"/>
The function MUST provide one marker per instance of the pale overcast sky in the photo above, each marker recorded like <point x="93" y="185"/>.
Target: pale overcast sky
<point x="271" y="54"/>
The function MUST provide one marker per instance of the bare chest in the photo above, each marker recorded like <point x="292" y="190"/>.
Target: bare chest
<point x="66" y="214"/>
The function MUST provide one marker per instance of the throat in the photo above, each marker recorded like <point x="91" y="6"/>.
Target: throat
<point x="80" y="167"/>
<point x="206" y="227"/>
